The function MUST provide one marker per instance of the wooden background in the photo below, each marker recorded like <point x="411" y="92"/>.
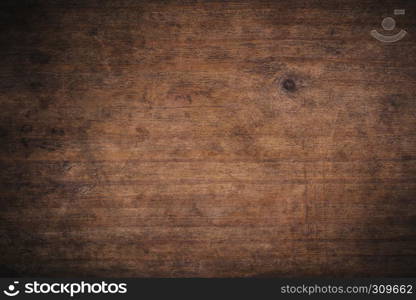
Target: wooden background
<point x="206" y="139"/>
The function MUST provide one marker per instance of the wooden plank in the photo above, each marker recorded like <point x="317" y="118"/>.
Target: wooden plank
<point x="206" y="139"/>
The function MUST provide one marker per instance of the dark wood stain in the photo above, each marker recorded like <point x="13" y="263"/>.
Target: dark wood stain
<point x="206" y="139"/>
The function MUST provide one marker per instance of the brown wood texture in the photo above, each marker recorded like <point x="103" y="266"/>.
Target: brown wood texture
<point x="206" y="139"/>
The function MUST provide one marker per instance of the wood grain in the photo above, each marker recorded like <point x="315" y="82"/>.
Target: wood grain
<point x="206" y="139"/>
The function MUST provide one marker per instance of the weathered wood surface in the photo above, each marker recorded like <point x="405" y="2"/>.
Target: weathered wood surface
<point x="207" y="139"/>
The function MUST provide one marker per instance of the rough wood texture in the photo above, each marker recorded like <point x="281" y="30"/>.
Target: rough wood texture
<point x="206" y="139"/>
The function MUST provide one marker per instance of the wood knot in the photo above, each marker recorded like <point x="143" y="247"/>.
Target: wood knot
<point x="289" y="85"/>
